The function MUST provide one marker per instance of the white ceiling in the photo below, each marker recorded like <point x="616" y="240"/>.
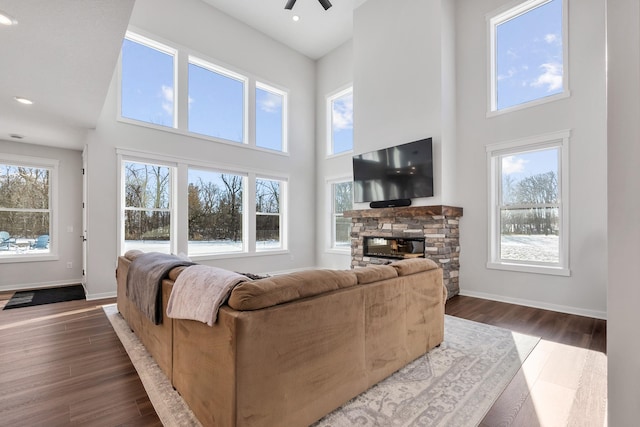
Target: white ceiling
<point x="62" y="55"/>
<point x="316" y="33"/>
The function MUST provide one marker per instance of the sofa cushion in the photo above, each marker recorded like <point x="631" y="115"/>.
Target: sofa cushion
<point x="133" y="254"/>
<point x="413" y="265"/>
<point x="375" y="273"/>
<point x="257" y="294"/>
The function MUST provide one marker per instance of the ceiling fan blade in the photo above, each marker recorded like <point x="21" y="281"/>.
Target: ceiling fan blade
<point x="290" y="4"/>
<point x="325" y="3"/>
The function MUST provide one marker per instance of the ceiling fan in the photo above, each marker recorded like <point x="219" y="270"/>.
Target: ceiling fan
<point x="325" y="3"/>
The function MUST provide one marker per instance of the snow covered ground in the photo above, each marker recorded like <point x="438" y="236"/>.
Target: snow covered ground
<point x="538" y="248"/>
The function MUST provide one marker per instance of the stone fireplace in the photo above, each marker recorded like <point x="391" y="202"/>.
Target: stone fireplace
<point x="378" y="236"/>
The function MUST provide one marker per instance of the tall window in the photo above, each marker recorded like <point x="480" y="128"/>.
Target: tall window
<point x="148" y="81"/>
<point x="26" y="206"/>
<point x="216" y="101"/>
<point x="340" y="111"/>
<point x="528" y="53"/>
<point x="341" y="200"/>
<point x="147" y="207"/>
<point x="215" y="212"/>
<point x="269" y="194"/>
<point x="529" y="229"/>
<point x="270" y="123"/>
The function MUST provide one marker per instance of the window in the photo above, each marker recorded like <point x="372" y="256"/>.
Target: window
<point x="147" y="81"/>
<point x="529" y="181"/>
<point x="340" y="113"/>
<point x="174" y="89"/>
<point x="270" y="118"/>
<point x="269" y="214"/>
<point x="341" y="200"/>
<point x="147" y="207"/>
<point x="528" y="54"/>
<point x="26" y="206"/>
<point x="216" y="101"/>
<point x="215" y="212"/>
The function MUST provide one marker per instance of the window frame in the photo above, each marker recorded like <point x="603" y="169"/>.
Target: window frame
<point x="182" y="57"/>
<point x="333" y="215"/>
<point x="209" y="66"/>
<point x="504" y="14"/>
<point x="282" y="210"/>
<point x="179" y="203"/>
<point x="285" y="101"/>
<point x="495" y="152"/>
<point x="53" y="166"/>
<point x="330" y="98"/>
<point x="136" y="37"/>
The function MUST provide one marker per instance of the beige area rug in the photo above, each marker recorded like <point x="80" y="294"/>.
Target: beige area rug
<point x="453" y="385"/>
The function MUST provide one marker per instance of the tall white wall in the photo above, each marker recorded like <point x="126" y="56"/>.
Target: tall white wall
<point x="334" y="72"/>
<point x="32" y="274"/>
<point x="404" y="83"/>
<point x="223" y="40"/>
<point x="623" y="21"/>
<point x="584" y="113"/>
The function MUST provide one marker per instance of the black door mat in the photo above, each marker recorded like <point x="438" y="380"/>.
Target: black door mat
<point x="45" y="296"/>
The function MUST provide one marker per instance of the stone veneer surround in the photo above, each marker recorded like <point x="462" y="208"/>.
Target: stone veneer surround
<point x="439" y="225"/>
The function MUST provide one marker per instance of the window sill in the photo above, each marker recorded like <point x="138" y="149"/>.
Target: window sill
<point x="197" y="258"/>
<point x="529" y="104"/>
<point x="337" y="251"/>
<point x="9" y="259"/>
<point x="529" y="268"/>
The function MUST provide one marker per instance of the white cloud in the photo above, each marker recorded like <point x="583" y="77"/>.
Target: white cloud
<point x="551" y="38"/>
<point x="510" y="73"/>
<point x="167" y="99"/>
<point x="343" y="113"/>
<point x="512" y="164"/>
<point x="551" y="77"/>
<point x="270" y="103"/>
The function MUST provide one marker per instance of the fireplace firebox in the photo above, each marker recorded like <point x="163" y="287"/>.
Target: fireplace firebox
<point x="394" y="247"/>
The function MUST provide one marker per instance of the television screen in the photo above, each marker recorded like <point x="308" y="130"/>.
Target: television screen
<point x="401" y="172"/>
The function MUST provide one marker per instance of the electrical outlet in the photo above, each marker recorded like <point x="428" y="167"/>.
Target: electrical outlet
<point x="69" y="264"/>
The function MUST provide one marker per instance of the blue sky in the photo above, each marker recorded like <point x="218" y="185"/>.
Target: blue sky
<point x="342" y="123"/>
<point x="216" y="101"/>
<point x="529" y="55"/>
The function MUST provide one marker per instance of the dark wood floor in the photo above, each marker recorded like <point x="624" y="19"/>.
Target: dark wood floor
<point x="563" y="382"/>
<point x="62" y="364"/>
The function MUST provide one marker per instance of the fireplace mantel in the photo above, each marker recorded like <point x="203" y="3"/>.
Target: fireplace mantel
<point x="409" y="211"/>
<point x="438" y="225"/>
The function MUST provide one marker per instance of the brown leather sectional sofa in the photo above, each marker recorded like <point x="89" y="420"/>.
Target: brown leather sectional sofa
<point x="289" y="349"/>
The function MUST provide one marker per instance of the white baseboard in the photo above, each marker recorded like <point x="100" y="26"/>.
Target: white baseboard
<point x="40" y="285"/>
<point x="537" y="304"/>
<point x="92" y="297"/>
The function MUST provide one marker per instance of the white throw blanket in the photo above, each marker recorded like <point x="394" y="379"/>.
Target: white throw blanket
<point x="199" y="291"/>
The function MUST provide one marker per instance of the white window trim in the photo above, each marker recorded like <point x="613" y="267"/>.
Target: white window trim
<point x="331" y="215"/>
<point x="329" y="120"/>
<point x="503" y="14"/>
<point x="558" y="140"/>
<point x="182" y="56"/>
<point x="53" y="166"/>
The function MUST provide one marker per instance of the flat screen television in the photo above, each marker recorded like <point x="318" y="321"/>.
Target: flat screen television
<point x="401" y="172"/>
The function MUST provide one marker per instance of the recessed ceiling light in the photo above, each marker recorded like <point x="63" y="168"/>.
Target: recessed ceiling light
<point x="6" y="19"/>
<point x="296" y="18"/>
<point x="22" y="100"/>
